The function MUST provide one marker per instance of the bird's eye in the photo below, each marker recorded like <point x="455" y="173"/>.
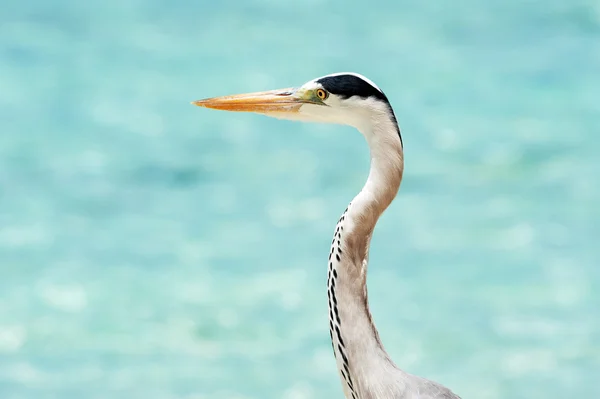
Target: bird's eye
<point x="322" y="94"/>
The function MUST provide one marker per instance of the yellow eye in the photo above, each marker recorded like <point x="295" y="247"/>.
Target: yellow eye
<point x="322" y="94"/>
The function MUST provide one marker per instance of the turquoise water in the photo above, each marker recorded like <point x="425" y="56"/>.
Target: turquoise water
<point x="151" y="249"/>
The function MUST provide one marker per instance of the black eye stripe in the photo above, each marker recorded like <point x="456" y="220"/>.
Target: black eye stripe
<point x="347" y="86"/>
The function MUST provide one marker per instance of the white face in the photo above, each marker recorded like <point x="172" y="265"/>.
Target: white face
<point x="311" y="102"/>
<point x="354" y="111"/>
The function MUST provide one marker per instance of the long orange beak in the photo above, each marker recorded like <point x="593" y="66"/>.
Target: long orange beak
<point x="264" y="102"/>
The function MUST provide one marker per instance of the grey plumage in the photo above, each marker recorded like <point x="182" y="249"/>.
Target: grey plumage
<point x="365" y="368"/>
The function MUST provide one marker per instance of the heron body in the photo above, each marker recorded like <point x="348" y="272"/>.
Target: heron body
<point x="366" y="370"/>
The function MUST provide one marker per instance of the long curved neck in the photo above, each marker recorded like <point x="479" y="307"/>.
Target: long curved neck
<point x="358" y="350"/>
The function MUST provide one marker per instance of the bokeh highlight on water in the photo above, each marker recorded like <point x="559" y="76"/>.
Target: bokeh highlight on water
<point x="151" y="249"/>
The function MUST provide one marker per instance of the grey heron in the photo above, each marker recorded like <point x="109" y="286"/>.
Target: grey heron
<point x="366" y="370"/>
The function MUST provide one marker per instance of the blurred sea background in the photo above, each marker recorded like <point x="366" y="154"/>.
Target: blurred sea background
<point x="152" y="249"/>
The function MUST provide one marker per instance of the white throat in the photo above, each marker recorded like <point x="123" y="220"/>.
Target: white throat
<point x="360" y="356"/>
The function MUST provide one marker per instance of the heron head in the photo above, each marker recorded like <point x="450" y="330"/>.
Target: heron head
<point x="341" y="98"/>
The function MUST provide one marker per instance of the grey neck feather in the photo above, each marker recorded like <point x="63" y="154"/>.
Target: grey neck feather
<point x="360" y="355"/>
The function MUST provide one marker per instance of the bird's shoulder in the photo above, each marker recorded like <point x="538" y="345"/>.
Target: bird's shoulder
<point x="427" y="389"/>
